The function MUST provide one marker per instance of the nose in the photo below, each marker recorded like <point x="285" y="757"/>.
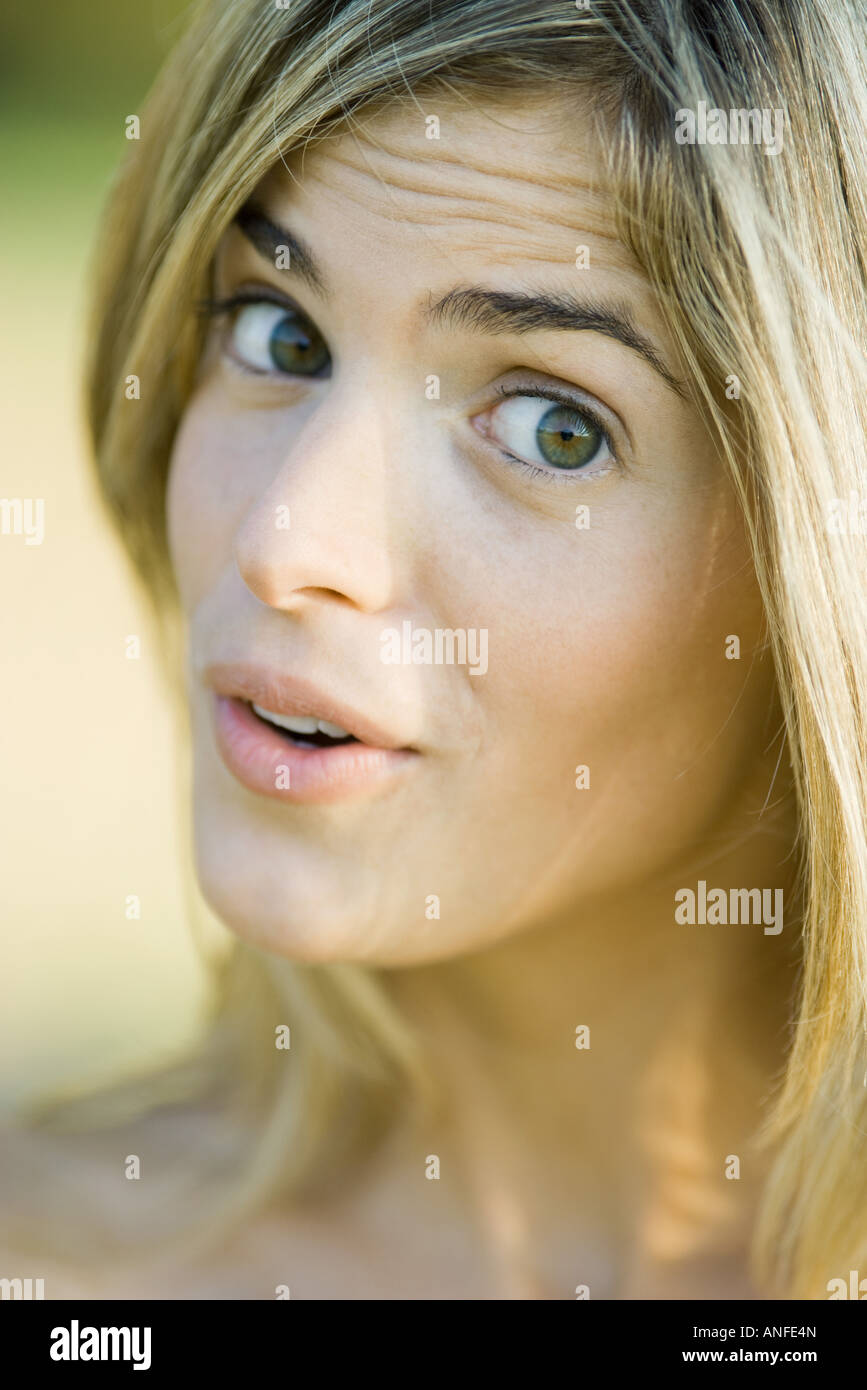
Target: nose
<point x="332" y="520"/>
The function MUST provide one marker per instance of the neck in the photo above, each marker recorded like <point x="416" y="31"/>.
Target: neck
<point x="619" y="1049"/>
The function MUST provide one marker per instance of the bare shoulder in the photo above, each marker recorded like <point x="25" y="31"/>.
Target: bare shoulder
<point x="78" y="1210"/>
<point x="74" y="1191"/>
<point x="132" y="1188"/>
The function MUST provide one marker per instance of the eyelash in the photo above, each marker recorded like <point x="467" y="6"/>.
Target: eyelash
<point x="215" y="308"/>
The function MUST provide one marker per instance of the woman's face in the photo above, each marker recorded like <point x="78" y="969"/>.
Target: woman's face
<point x="429" y="426"/>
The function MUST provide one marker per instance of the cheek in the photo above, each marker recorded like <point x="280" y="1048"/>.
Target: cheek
<point x="617" y="645"/>
<point x="201" y="511"/>
<point x="661" y="609"/>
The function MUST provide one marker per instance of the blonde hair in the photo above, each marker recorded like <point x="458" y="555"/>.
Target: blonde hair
<point x="759" y="264"/>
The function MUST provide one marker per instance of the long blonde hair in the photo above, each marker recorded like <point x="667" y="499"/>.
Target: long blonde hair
<point x="759" y="264"/>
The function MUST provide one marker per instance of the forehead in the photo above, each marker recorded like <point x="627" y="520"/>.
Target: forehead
<point x="499" y="185"/>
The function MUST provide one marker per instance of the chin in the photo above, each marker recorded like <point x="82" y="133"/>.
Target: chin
<point x="297" y="907"/>
<point x="298" y="914"/>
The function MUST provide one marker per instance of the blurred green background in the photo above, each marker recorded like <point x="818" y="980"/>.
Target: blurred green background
<point x="92" y="808"/>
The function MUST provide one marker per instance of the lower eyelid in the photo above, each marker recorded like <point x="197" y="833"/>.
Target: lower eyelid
<point x="266" y="380"/>
<point x="239" y="365"/>
<point x="563" y="477"/>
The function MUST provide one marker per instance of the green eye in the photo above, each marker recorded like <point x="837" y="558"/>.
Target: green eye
<point x="539" y="431"/>
<point x="269" y="337"/>
<point x="567" y="439"/>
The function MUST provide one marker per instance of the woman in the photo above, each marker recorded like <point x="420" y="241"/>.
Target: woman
<point x="485" y="388"/>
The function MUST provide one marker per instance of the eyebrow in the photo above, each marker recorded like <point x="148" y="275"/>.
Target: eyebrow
<point x="268" y="237"/>
<point x="477" y="308"/>
<point x="501" y="311"/>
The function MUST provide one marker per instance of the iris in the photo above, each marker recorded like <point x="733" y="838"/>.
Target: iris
<point x="567" y="439"/>
<point x="295" y="345"/>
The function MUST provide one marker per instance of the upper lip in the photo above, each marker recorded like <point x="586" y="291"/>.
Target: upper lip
<point x="284" y="694"/>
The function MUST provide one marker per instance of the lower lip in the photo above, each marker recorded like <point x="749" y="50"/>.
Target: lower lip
<point x="269" y="764"/>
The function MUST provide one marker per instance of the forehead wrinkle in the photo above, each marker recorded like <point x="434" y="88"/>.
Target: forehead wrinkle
<point x="440" y="163"/>
<point x="445" y="212"/>
<point x="548" y="187"/>
<point x="513" y="251"/>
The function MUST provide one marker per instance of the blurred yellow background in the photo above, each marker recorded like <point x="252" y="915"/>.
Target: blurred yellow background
<point x="91" y="807"/>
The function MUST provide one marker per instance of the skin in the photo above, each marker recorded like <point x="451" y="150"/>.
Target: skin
<point x="607" y="648"/>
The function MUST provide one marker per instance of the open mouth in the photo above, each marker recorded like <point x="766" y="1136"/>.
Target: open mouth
<point x="293" y="753"/>
<point x="304" y="731"/>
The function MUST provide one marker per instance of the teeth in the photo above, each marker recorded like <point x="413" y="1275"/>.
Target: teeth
<point x="295" y="723"/>
<point x="333" y="730"/>
<point x="301" y="723"/>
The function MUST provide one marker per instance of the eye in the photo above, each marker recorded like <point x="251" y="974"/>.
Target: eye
<point x="537" y="429"/>
<point x="272" y="337"/>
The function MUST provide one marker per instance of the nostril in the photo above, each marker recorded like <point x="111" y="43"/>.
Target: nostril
<point x="332" y="594"/>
